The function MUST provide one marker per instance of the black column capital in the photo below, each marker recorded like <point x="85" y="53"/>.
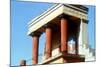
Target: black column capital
<point x="85" y="21"/>
<point x="63" y="16"/>
<point x="36" y="33"/>
<point x="49" y="25"/>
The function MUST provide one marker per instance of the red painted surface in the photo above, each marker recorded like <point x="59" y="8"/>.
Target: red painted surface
<point x="35" y="49"/>
<point x="48" y="42"/>
<point x="64" y="34"/>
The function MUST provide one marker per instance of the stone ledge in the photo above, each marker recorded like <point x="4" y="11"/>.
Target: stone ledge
<point x="63" y="56"/>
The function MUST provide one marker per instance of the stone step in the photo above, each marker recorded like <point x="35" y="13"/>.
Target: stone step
<point x="92" y="58"/>
<point x="89" y="55"/>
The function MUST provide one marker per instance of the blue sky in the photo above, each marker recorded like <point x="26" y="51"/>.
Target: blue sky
<point x="21" y="14"/>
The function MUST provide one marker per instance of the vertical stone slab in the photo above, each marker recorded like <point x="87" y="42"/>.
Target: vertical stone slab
<point x="83" y="37"/>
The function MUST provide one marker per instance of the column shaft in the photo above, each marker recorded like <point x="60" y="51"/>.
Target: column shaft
<point x="64" y="34"/>
<point x="35" y="49"/>
<point x="48" y="42"/>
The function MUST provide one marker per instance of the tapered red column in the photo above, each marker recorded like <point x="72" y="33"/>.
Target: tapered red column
<point x="48" y="42"/>
<point x="35" y="37"/>
<point x="35" y="49"/>
<point x="64" y="34"/>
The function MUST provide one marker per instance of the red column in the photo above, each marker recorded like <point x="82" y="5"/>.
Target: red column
<point x="48" y="42"/>
<point x="64" y="34"/>
<point x="35" y="37"/>
<point x="23" y="63"/>
<point x="35" y="49"/>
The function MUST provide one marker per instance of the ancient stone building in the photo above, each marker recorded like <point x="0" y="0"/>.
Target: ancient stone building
<point x="66" y="32"/>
